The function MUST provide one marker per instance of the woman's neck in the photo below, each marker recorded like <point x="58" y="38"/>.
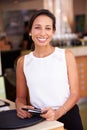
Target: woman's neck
<point x="43" y="51"/>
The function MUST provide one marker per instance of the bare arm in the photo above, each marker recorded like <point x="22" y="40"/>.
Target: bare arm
<point x="21" y="90"/>
<point x="73" y="81"/>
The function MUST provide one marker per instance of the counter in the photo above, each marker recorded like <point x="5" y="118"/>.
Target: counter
<point x="79" y="51"/>
<point x="44" y="125"/>
<point x="80" y="54"/>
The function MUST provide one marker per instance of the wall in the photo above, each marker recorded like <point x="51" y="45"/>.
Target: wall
<point x="86" y="14"/>
<point x="11" y="6"/>
<point x="80" y="7"/>
<point x="34" y="4"/>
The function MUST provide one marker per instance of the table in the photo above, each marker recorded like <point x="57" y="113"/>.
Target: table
<point x="44" y="125"/>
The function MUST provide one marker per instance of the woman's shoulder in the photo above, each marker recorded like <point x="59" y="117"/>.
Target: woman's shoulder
<point x="70" y="58"/>
<point x="69" y="53"/>
<point x="20" y="60"/>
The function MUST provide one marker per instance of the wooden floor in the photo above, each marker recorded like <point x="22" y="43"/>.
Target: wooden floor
<point x="83" y="111"/>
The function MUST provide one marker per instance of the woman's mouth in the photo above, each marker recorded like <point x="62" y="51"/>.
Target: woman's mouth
<point x="41" y="39"/>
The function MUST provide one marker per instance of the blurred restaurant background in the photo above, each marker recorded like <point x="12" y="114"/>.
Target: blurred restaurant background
<point x="71" y="33"/>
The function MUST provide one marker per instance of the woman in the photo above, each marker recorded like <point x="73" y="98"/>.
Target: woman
<point x="50" y="75"/>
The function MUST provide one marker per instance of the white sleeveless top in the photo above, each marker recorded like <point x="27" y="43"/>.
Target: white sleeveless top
<point x="47" y="79"/>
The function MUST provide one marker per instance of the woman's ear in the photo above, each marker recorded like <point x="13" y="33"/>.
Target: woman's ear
<point x="29" y="34"/>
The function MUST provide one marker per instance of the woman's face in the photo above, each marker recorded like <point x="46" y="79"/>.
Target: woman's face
<point x="42" y="30"/>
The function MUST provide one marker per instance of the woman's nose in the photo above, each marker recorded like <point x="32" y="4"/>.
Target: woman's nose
<point x="43" y="32"/>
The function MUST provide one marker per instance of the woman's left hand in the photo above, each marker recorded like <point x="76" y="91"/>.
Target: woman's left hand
<point x="50" y="114"/>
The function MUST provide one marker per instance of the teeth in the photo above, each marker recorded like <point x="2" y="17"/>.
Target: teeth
<point x="41" y="39"/>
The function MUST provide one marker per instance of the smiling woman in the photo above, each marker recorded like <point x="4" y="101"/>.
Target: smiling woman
<point x="45" y="69"/>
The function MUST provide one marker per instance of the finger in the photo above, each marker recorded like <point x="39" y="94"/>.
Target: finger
<point x="19" y="115"/>
<point x="22" y="113"/>
<point x="29" y="115"/>
<point x="30" y="107"/>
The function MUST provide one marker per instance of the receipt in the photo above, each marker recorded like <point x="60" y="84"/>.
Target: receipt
<point x="4" y="108"/>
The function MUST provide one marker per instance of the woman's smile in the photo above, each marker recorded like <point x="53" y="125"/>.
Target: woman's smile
<point x="42" y="40"/>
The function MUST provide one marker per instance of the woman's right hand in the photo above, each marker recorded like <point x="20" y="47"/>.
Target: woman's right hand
<point x="22" y="113"/>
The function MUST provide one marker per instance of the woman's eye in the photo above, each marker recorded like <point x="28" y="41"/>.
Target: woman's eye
<point x="37" y="27"/>
<point x="48" y="28"/>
